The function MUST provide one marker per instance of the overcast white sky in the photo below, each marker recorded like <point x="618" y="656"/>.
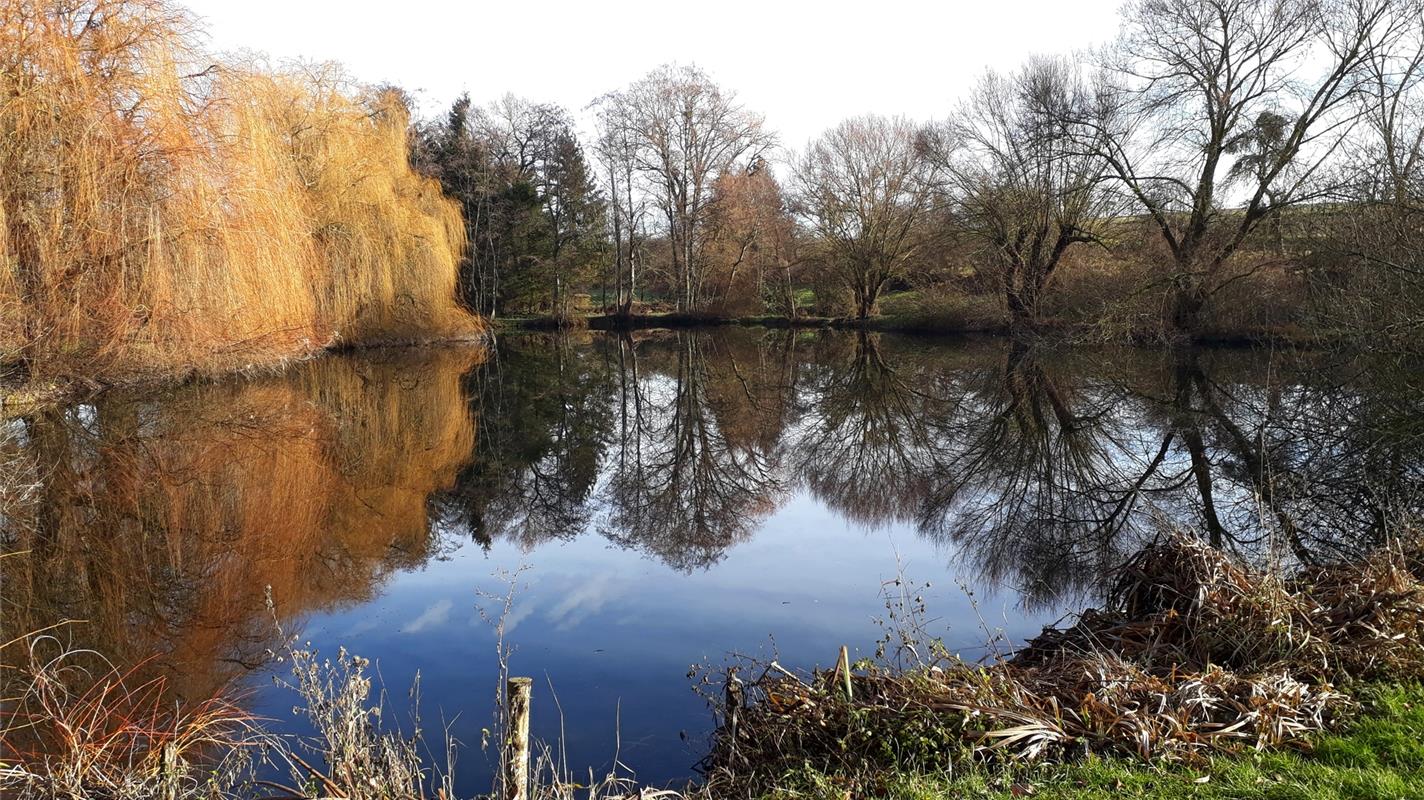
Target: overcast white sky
<point x="805" y="64"/>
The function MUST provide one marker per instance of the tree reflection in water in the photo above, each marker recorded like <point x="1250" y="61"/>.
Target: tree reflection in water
<point x="1044" y="467"/>
<point x="158" y="523"/>
<point x="159" y="520"/>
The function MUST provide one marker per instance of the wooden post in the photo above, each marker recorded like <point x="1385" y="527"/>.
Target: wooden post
<point x="518" y="693"/>
<point x="843" y="667"/>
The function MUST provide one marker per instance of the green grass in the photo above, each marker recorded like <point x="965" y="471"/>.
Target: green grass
<point x="897" y="303"/>
<point x="1380" y="756"/>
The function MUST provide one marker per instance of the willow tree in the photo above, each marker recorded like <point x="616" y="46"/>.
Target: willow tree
<point x="866" y="192"/>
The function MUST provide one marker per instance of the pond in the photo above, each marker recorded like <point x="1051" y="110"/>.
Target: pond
<point x="663" y="500"/>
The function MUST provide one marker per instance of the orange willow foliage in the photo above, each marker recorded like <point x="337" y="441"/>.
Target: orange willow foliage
<point x="163" y="212"/>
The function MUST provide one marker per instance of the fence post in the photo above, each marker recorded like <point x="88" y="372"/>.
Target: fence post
<point x="170" y="771"/>
<point x="843" y="669"/>
<point x="518" y="693"/>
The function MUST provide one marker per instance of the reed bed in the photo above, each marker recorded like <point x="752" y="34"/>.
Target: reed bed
<point x="72" y="731"/>
<point x="169" y="211"/>
<point x="1193" y="655"/>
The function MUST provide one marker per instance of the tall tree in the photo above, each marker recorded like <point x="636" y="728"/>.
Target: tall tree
<point x="627" y="199"/>
<point x="533" y="212"/>
<point x="1187" y="88"/>
<point x="1017" y="181"/>
<point x="751" y="243"/>
<point x="451" y="151"/>
<point x="682" y="131"/>
<point x="865" y="191"/>
<point x="574" y="215"/>
<point x="1370" y="273"/>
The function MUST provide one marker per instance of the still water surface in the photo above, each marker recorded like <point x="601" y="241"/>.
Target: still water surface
<point x="663" y="500"/>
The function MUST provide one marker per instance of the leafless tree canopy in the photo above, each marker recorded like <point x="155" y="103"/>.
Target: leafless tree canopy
<point x="865" y="191"/>
<point x="1215" y="150"/>
<point x="1018" y="179"/>
<point x="668" y="137"/>
<point x="1217" y="115"/>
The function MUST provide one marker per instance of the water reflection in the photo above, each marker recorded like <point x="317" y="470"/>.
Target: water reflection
<point x="158" y="522"/>
<point x="1044" y="466"/>
<point x="1323" y="461"/>
<point x="688" y="475"/>
<point x="680" y="493"/>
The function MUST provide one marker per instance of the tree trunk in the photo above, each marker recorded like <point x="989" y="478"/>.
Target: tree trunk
<point x="1188" y="301"/>
<point x="1020" y="315"/>
<point x="1022" y="301"/>
<point x="865" y="303"/>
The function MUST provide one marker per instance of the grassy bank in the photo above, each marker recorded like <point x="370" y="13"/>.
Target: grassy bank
<point x="1378" y="756"/>
<point x="1193" y="658"/>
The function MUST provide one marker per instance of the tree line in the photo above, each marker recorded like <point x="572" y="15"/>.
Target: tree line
<point x="1221" y="165"/>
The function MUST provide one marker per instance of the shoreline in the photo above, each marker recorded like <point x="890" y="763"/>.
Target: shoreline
<point x="19" y="396"/>
<point x="1196" y="666"/>
<point x="1050" y="332"/>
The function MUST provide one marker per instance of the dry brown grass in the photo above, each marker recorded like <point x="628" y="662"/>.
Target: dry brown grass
<point x="1183" y="606"/>
<point x="1195" y="654"/>
<point x="167" y="211"/>
<point x="71" y="731"/>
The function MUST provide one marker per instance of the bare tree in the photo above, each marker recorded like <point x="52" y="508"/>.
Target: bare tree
<point x="865" y="190"/>
<point x="536" y="144"/>
<point x="1390" y="164"/>
<point x="1367" y="273"/>
<point x="1018" y="180"/>
<point x="1188" y="92"/>
<point x="1386" y="164"/>
<point x="684" y="131"/>
<point x="616" y="149"/>
<point x="519" y="133"/>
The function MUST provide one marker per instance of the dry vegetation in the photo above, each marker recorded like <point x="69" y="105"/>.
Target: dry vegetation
<point x="1194" y="655"/>
<point x="165" y="211"/>
<point x="72" y="731"/>
<point x="152" y="543"/>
